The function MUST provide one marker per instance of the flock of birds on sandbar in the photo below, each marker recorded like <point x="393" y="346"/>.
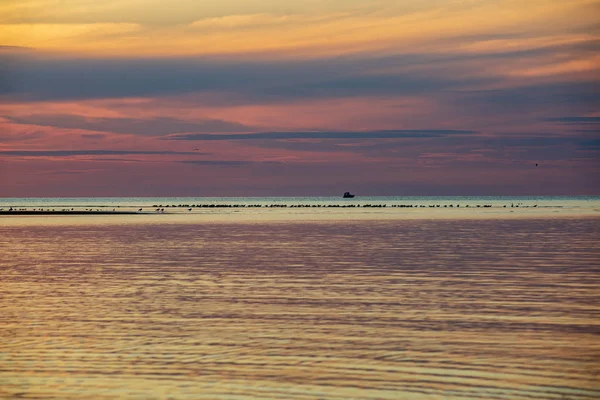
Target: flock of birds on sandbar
<point x="161" y="208"/>
<point x="190" y="207"/>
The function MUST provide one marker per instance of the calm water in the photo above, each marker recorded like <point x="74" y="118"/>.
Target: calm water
<point x="411" y="309"/>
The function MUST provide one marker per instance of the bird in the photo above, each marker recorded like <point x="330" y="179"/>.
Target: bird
<point x="536" y="165"/>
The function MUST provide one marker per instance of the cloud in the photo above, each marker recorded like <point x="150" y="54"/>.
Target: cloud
<point x="294" y="26"/>
<point x="534" y="140"/>
<point x="34" y="76"/>
<point x="575" y="120"/>
<point x="588" y="64"/>
<point x="239" y="21"/>
<point x="577" y="97"/>
<point x="74" y="153"/>
<point x="154" y="126"/>
<point x="59" y="35"/>
<point x="382" y="134"/>
<point x="14" y="48"/>
<point x="93" y="136"/>
<point x="225" y="163"/>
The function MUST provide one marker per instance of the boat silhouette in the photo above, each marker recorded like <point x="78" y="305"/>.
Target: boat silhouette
<point x="348" y="195"/>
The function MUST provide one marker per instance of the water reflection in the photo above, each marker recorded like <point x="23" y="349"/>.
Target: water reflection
<point x="372" y="310"/>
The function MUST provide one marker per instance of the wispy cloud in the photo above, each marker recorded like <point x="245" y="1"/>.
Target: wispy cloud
<point x="33" y="76"/>
<point x="239" y="21"/>
<point x="576" y="120"/>
<point x="387" y="134"/>
<point x="227" y="163"/>
<point x="153" y="126"/>
<point x="73" y="153"/>
<point x="124" y="27"/>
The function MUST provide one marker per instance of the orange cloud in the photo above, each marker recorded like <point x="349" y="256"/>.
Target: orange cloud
<point x="589" y="64"/>
<point x="257" y="26"/>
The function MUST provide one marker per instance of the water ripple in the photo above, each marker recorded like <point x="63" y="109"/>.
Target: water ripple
<point x="475" y="309"/>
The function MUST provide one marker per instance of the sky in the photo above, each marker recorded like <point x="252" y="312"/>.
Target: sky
<point x="299" y="98"/>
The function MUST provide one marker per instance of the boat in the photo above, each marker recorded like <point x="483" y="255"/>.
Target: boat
<point x="348" y="195"/>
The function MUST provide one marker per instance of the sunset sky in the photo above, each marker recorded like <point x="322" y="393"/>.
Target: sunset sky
<point x="285" y="98"/>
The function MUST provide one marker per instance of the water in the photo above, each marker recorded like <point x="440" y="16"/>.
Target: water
<point x="332" y="309"/>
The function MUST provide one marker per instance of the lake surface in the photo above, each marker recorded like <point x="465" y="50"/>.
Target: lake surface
<point x="331" y="309"/>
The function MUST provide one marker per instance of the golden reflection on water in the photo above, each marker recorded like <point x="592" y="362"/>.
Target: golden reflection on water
<point x="490" y="309"/>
